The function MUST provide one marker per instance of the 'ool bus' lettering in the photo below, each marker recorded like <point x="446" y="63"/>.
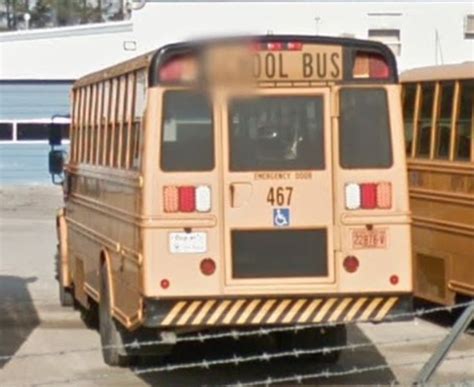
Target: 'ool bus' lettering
<point x="270" y="66"/>
<point x="318" y="64"/>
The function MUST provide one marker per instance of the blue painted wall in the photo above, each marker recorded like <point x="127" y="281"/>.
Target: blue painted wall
<point x="24" y="164"/>
<point x="33" y="100"/>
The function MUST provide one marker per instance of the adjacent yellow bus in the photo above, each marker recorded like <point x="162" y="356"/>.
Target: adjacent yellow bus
<point x="241" y="182"/>
<point x="438" y="105"/>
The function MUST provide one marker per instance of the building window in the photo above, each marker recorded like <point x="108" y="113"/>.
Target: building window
<point x="38" y="131"/>
<point x="6" y="131"/>
<point x="469" y="27"/>
<point x="389" y="37"/>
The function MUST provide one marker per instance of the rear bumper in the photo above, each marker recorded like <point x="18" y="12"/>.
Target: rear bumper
<point x="258" y="311"/>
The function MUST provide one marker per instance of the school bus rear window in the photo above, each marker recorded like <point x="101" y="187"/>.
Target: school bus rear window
<point x="277" y="133"/>
<point x="188" y="135"/>
<point x="364" y="129"/>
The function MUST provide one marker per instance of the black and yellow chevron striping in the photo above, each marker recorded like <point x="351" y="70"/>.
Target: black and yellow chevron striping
<point x="272" y="311"/>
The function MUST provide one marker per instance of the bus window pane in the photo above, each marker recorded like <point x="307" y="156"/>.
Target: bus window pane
<point x="464" y="124"/>
<point x="276" y="133"/>
<point x="424" y="123"/>
<point x="444" y="121"/>
<point x="188" y="135"/>
<point x="6" y="131"/>
<point x="364" y="129"/>
<point x="408" y="113"/>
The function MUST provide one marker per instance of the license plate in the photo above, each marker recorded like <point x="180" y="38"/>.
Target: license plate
<point x="369" y="239"/>
<point x="187" y="242"/>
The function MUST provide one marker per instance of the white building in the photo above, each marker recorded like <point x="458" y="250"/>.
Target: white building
<point x="37" y="67"/>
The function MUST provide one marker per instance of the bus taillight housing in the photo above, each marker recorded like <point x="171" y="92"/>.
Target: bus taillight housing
<point x="368" y="196"/>
<point x="187" y="199"/>
<point x="368" y="65"/>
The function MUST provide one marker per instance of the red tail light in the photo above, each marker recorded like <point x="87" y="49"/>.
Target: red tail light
<point x="187" y="199"/>
<point x="369" y="196"/>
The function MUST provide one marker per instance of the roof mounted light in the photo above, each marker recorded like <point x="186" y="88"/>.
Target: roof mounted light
<point x="370" y="65"/>
<point x="277" y="46"/>
<point x="179" y="69"/>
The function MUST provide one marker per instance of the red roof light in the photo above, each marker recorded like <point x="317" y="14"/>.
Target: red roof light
<point x="370" y="65"/>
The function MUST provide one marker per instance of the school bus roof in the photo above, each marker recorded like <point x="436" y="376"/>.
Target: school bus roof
<point x="157" y="57"/>
<point x="439" y="73"/>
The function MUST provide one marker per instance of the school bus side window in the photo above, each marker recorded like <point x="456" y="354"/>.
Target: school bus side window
<point x="364" y="130"/>
<point x="425" y="120"/>
<point x="409" y="100"/>
<point x="443" y="122"/>
<point x="187" y="133"/>
<point x="464" y="123"/>
<point x="138" y="112"/>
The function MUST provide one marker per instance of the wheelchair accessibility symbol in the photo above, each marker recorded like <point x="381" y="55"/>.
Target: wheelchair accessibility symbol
<point x="281" y="217"/>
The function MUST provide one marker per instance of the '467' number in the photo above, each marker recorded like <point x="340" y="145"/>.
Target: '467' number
<point x="280" y="196"/>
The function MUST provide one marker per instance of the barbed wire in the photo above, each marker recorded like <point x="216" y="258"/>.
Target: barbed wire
<point x="328" y="373"/>
<point x="260" y="357"/>
<point x="235" y="334"/>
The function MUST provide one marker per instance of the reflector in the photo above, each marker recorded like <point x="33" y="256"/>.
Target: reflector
<point x="207" y="266"/>
<point x="351" y="264"/>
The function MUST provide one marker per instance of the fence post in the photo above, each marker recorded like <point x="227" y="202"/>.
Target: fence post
<point x="440" y="353"/>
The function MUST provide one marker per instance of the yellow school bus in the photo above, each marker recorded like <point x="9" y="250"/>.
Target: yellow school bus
<point x="438" y="105"/>
<point x="239" y="183"/>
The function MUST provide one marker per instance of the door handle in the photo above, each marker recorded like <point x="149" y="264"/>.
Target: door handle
<point x="239" y="194"/>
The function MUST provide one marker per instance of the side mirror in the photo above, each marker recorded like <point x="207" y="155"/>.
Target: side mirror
<point x="55" y="134"/>
<point x="56" y="162"/>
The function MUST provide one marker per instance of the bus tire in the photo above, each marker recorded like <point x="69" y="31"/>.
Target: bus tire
<point x="334" y="336"/>
<point x="111" y="338"/>
<point x="66" y="297"/>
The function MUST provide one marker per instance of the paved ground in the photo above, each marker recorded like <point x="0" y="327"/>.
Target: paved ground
<point x="31" y="321"/>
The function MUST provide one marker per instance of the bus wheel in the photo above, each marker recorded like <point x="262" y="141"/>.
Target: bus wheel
<point x="65" y="296"/>
<point x="333" y="336"/>
<point x="315" y="339"/>
<point x="111" y="338"/>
